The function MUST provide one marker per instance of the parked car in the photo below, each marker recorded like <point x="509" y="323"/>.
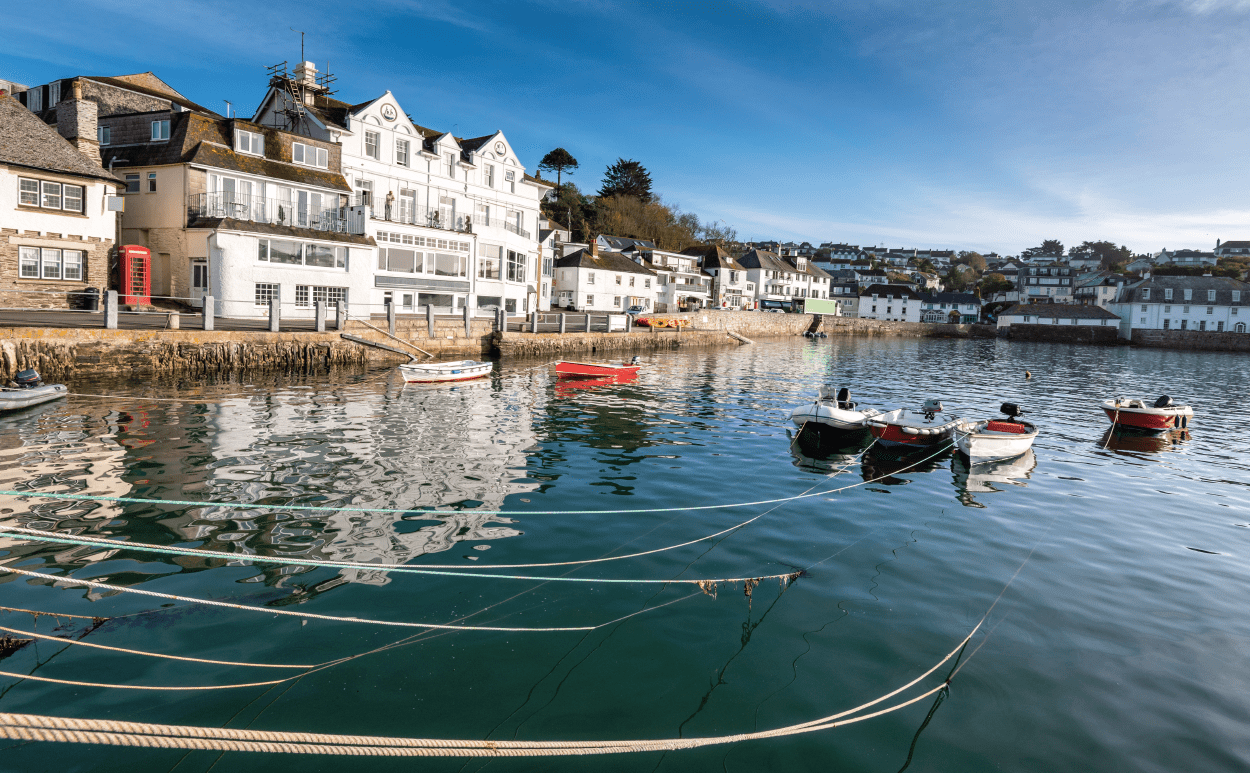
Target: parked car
<point x="634" y="311"/>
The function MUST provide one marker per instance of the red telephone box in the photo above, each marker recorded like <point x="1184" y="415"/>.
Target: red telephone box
<point x="136" y="276"/>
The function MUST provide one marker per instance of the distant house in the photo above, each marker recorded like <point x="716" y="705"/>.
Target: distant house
<point x="1184" y="258"/>
<point x="621" y="243"/>
<point x="892" y="303"/>
<point x="1232" y="249"/>
<point x="1138" y="265"/>
<point x="846" y="293"/>
<point x="1057" y="314"/>
<point x="591" y="280"/>
<point x="1084" y="261"/>
<point x="958" y="308"/>
<point x="1210" y="303"/>
<point x="780" y="280"/>
<point x="682" y="284"/>
<point x="1047" y="283"/>
<point x="1097" y="288"/>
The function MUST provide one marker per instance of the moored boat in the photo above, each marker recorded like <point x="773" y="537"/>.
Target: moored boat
<point x="834" y="412"/>
<point x="1156" y="417"/>
<point x="570" y="369"/>
<point x="993" y="440"/>
<point x="437" y="372"/>
<point x="29" y="391"/>
<point x="913" y="429"/>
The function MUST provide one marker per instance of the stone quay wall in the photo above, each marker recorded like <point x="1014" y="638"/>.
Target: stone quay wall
<point x="1066" y="334"/>
<point x="640" y="340"/>
<point x="1203" y="340"/>
<point x="767" y="324"/>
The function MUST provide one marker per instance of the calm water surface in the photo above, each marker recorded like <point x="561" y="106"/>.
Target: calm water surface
<point x="1121" y="644"/>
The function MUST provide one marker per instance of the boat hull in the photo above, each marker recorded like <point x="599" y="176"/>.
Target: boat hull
<point x="981" y="446"/>
<point x="830" y="417"/>
<point x="17" y="399"/>
<point x="1148" y="419"/>
<point x="568" y="369"/>
<point x="903" y="429"/>
<point x="441" y="372"/>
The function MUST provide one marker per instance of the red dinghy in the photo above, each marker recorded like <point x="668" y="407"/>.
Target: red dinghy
<point x="1137" y="414"/>
<point x="568" y="369"/>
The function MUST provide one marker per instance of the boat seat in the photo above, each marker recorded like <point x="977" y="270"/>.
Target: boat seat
<point x="1011" y="427"/>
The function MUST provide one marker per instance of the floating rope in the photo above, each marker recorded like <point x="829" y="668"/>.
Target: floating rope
<point x="315" y="616"/>
<point x="37" y="614"/>
<point x="29" y="727"/>
<point x="93" y="645"/>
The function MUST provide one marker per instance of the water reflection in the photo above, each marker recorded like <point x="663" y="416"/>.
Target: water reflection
<point x="882" y="466"/>
<point x="820" y="442"/>
<point x="990" y="477"/>
<point x="568" y="387"/>
<point x="1138" y="442"/>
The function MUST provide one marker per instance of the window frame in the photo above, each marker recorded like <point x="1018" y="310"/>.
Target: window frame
<point x="151" y="182"/>
<point x="104" y="135"/>
<point x="272" y="290"/>
<point x="27" y="193"/>
<point x="132" y="177"/>
<point x="160" y="130"/>
<point x="403" y="152"/>
<point x="252" y="138"/>
<point x="376" y="138"/>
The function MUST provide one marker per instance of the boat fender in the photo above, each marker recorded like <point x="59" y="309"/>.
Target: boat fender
<point x="910" y="431"/>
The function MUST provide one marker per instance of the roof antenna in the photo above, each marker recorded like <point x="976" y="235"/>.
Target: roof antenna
<point x="301" y="43"/>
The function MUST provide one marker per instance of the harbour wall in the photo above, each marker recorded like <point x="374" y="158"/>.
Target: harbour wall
<point x="1066" y="334"/>
<point x="1209" y="341"/>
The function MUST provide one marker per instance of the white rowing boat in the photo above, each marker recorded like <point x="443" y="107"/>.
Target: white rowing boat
<point x="436" y="372"/>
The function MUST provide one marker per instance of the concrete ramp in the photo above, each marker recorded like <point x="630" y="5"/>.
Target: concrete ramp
<point x="740" y="339"/>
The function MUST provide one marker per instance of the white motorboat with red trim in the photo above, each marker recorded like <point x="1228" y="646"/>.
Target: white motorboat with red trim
<point x="913" y="429"/>
<point x="833" y="412"/>
<point x="437" y="372"/>
<point x="994" y="440"/>
<point x="1136" y="414"/>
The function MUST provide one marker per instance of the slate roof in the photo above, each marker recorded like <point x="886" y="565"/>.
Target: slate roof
<point x="147" y="83"/>
<point x="959" y="298"/>
<point x="28" y="142"/>
<point x="607" y="261"/>
<point x="898" y="291"/>
<point x="763" y="259"/>
<point x="1058" y="311"/>
<point x="1223" y="287"/>
<point x="713" y="257"/>
<point x="620" y="243"/>
<point x="196" y="139"/>
<point x="1234" y="246"/>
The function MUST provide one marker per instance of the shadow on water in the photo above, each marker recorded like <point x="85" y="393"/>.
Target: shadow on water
<point x="818" y="449"/>
<point x="1133" y="441"/>
<point x="883" y="465"/>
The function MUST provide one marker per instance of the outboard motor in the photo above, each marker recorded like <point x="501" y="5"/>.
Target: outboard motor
<point x="636" y="361"/>
<point x="844" y="399"/>
<point x="1011" y="409"/>
<point x="27" y="379"/>
<point x="932" y="407"/>
<point x="1163" y="402"/>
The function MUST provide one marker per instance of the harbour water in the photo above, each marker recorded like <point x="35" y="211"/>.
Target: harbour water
<point x="1120" y="644"/>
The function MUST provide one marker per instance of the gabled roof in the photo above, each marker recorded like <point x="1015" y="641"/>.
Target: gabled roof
<point x="902" y="291"/>
<point x="607" y="261"/>
<point x="147" y="83"/>
<point x="1234" y="245"/>
<point x="1200" y="285"/>
<point x="1059" y="311"/>
<point x="713" y="257"/>
<point x="765" y="260"/>
<point x="28" y="142"/>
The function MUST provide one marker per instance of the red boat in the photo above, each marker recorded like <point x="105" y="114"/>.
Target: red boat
<point x="567" y="387"/>
<point x="912" y="429"/>
<point x="567" y="369"/>
<point x="1137" y="414"/>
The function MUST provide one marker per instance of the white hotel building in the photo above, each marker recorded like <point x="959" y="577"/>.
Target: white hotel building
<point x="455" y="220"/>
<point x="1204" y="303"/>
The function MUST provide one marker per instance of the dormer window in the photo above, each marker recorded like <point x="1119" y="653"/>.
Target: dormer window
<point x="1189" y="295"/>
<point x="1167" y="293"/>
<point x="1145" y="294"/>
<point x="449" y="165"/>
<point x="310" y="155"/>
<point x="160" y="130"/>
<point x="249" y="142"/>
<point x="104" y="135"/>
<point x="1210" y="295"/>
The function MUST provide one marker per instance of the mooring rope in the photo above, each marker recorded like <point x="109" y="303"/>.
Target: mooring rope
<point x="93" y="645"/>
<point x="314" y="616"/>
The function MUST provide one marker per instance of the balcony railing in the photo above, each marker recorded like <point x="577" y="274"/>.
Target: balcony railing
<point x="258" y="209"/>
<point x="431" y="217"/>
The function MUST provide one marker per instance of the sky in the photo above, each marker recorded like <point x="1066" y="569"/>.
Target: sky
<point x="984" y="126"/>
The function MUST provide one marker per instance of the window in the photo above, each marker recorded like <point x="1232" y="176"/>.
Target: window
<point x="310" y="155"/>
<point x="365" y="192"/>
<point x="1210" y="309"/>
<point x="590" y="300"/>
<point x="1167" y="323"/>
<point x="1189" y="295"/>
<point x="1202" y="325"/>
<point x="510" y="177"/>
<point x="151" y="182"/>
<point x="1219" y="327"/>
<point x="1210" y="295"/>
<point x="371" y="144"/>
<point x="28" y="192"/>
<point x="402" y="260"/>
<point x="54" y="93"/>
<point x="590" y="277"/>
<point x="132" y="183"/>
<point x="104" y="135"/>
<point x="1184" y="324"/>
<point x="251" y="143"/>
<point x="51" y="195"/>
<point x="1240" y="328"/>
<point x="1167" y="309"/>
<point x="1236" y="296"/>
<point x="295" y="253"/>
<point x="1145" y="294"/>
<point x="446" y="264"/>
<point x="516" y="266"/>
<point x="1167" y="294"/>
<point x="71" y="198"/>
<point x="401" y="152"/>
<point x="265" y="292"/>
<point x="631" y="281"/>
<point x="490" y="257"/>
<point x="1144" y="307"/>
<point x="646" y="282"/>
<point x="616" y="301"/>
<point x="331" y="296"/>
<point x="34" y="99"/>
<point x="160" y="130"/>
<point x="449" y="165"/>
<point x="488" y="175"/>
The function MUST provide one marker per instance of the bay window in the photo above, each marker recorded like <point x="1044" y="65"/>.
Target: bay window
<point x="293" y="253"/>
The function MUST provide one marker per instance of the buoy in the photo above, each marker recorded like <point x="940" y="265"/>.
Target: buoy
<point x="1027" y="374"/>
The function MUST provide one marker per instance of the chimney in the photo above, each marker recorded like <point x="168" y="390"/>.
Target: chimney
<point x="76" y="122"/>
<point x="306" y="76"/>
<point x="594" y="248"/>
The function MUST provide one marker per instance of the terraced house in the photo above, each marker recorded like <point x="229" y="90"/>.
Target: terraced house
<point x="1204" y="303"/>
<point x="455" y="220"/>
<point x="56" y="230"/>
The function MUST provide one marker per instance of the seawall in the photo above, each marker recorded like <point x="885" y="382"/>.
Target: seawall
<point x="1202" y="340"/>
<point x="1108" y="335"/>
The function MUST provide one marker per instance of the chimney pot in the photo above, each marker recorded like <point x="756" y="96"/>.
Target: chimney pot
<point x="594" y="248"/>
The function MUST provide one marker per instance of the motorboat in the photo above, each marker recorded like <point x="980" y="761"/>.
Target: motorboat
<point x="833" y="411"/>
<point x="437" y="372"/>
<point x="905" y="428"/>
<point x="28" y="390"/>
<point x="1156" y="417"/>
<point x="993" y="440"/>
<point x="570" y="369"/>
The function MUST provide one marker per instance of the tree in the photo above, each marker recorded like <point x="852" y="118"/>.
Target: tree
<point x="960" y="279"/>
<point x="994" y="283"/>
<point x="626" y="178"/>
<point x="974" y="260"/>
<point x="557" y="161"/>
<point x="1049" y="247"/>
<point x="570" y="205"/>
<point x="1107" y="253"/>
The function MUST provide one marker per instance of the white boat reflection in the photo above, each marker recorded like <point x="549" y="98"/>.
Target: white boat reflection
<point x="990" y="477"/>
<point x="1140" y="442"/>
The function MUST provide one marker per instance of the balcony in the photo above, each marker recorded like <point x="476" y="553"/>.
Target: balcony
<point x="258" y="209"/>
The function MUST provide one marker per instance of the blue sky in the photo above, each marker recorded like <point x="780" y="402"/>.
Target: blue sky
<point x="965" y="125"/>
